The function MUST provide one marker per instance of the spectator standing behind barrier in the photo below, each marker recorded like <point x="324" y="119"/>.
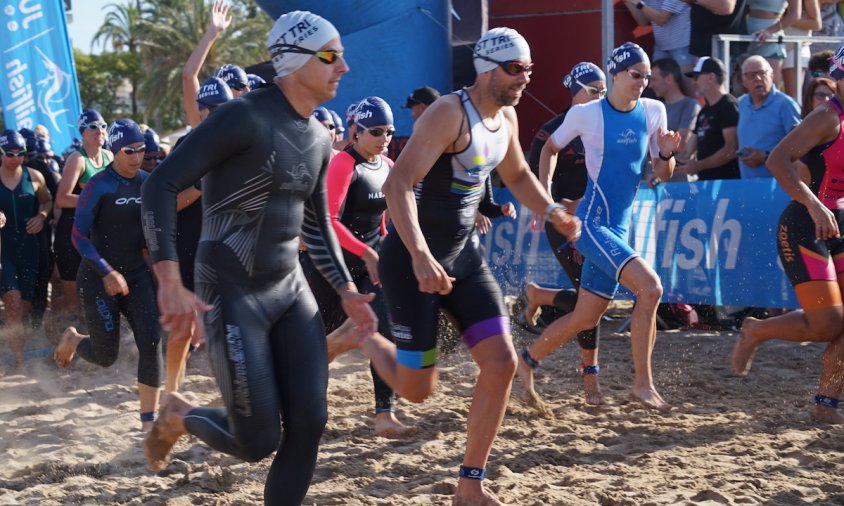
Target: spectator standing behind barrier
<point x="766" y="115"/>
<point x="671" y="23"/>
<point x="810" y="247"/>
<point x="668" y="84"/>
<point x="831" y="26"/>
<point x="710" y="151"/>
<point x="25" y="204"/>
<point x="709" y="17"/>
<point x="766" y="20"/>
<point x="809" y="20"/>
<point x="420" y="99"/>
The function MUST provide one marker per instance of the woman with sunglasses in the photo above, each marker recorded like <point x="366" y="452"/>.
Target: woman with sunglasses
<point x="25" y="204"/>
<point x="563" y="173"/>
<point x="79" y="167"/>
<point x="617" y="133"/>
<point x="114" y="277"/>
<point x="810" y="245"/>
<point x="357" y="209"/>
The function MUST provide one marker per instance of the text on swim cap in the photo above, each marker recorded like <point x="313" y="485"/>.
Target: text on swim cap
<point x="207" y="90"/>
<point x="297" y="33"/>
<point x="494" y="44"/>
<point x="115" y="136"/>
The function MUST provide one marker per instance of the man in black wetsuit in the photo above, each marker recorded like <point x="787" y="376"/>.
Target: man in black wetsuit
<point x="262" y="160"/>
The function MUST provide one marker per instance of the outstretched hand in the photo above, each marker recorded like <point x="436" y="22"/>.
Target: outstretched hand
<point x="220" y="19"/>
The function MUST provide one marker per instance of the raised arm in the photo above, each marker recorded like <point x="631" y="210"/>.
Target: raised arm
<point x="218" y="20"/>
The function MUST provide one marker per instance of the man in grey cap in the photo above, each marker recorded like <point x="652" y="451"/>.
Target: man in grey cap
<point x="420" y="99"/>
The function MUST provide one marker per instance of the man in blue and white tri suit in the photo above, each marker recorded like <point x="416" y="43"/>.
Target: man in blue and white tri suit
<point x="617" y="133"/>
<point x="431" y="258"/>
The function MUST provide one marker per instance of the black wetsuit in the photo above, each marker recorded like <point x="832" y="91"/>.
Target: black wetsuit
<point x="107" y="233"/>
<point x="50" y="170"/>
<point x="568" y="182"/>
<point x="357" y="210"/>
<point x="263" y="182"/>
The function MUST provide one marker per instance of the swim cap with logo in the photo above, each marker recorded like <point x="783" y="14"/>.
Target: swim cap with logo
<point x="213" y="92"/>
<point x="151" y="141"/>
<point x="338" y="123"/>
<point x="122" y="133"/>
<point x="625" y="56"/>
<point x="233" y="75"/>
<point x="43" y="147"/>
<point x="255" y="81"/>
<point x="322" y="115"/>
<point x="11" y="139"/>
<point x="294" y="30"/>
<point x="583" y="73"/>
<point x="350" y="112"/>
<point x="501" y="45"/>
<point x="372" y="112"/>
<point x="88" y="116"/>
<point x="836" y="64"/>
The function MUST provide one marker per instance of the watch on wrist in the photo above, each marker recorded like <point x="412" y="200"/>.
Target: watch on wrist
<point x="550" y="209"/>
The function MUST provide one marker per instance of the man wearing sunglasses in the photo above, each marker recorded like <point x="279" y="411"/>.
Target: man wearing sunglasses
<point x="617" y="132"/>
<point x="565" y="180"/>
<point x="263" y="184"/>
<point x="431" y="258"/>
<point x="25" y="204"/>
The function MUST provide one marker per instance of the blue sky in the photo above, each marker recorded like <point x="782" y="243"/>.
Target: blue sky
<point x="88" y="16"/>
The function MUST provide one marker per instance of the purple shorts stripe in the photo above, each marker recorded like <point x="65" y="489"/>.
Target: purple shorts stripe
<point x="477" y="332"/>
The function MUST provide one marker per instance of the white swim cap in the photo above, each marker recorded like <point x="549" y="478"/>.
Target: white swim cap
<point x="295" y="30"/>
<point x="501" y="45"/>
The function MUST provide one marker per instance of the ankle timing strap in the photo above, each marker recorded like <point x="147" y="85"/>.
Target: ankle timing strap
<point x="472" y="473"/>
<point x="822" y="400"/>
<point x="148" y="416"/>
<point x="590" y="370"/>
<point x="533" y="364"/>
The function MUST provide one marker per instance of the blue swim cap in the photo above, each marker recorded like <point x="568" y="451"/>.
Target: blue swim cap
<point x="322" y="114"/>
<point x="123" y="132"/>
<point x="338" y="123"/>
<point x="213" y="92"/>
<point x="152" y="141"/>
<point x="233" y="75"/>
<point x="31" y="144"/>
<point x="625" y="56"/>
<point x="27" y="133"/>
<point x="255" y="81"/>
<point x="836" y="64"/>
<point x="373" y="111"/>
<point x="583" y="73"/>
<point x="88" y="116"/>
<point x="11" y="139"/>
<point x="350" y="112"/>
<point x="43" y="147"/>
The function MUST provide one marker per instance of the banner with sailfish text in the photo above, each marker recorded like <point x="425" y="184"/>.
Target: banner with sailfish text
<point x="39" y="79"/>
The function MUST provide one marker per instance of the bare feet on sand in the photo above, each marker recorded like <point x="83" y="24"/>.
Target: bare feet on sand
<point x="532" y="309"/>
<point x="480" y="497"/>
<point x="592" y="390"/>
<point x="342" y="340"/>
<point x="650" y="398"/>
<point x="745" y="347"/>
<point x="388" y="426"/>
<point x="166" y="430"/>
<point x="67" y="347"/>
<point x="529" y="395"/>
<point x="825" y="414"/>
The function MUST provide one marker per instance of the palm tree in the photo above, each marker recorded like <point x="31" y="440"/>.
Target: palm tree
<point x="121" y="28"/>
<point x="171" y="29"/>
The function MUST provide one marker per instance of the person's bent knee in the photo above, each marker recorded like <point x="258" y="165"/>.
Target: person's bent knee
<point x="502" y="365"/>
<point x="306" y="424"/>
<point x="256" y="445"/>
<point x="649" y="294"/>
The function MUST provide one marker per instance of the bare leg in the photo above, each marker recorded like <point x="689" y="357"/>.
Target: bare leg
<point x="586" y="314"/>
<point x="67" y="346"/>
<point x="832" y="381"/>
<point x="341" y="340"/>
<point x="166" y="430"/>
<point x="536" y="296"/>
<point x="177" y="354"/>
<point x="149" y="402"/>
<point x="497" y="360"/>
<point x="644" y="283"/>
<point x="591" y="388"/>
<point x="415" y="385"/>
<point x="14" y="325"/>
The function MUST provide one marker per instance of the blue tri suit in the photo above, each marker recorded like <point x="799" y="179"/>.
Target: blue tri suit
<point x="615" y="145"/>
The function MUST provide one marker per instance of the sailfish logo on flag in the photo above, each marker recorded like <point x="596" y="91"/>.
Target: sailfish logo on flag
<point x="53" y="89"/>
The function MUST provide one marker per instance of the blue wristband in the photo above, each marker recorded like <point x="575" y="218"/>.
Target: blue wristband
<point x="822" y="400"/>
<point x="148" y="416"/>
